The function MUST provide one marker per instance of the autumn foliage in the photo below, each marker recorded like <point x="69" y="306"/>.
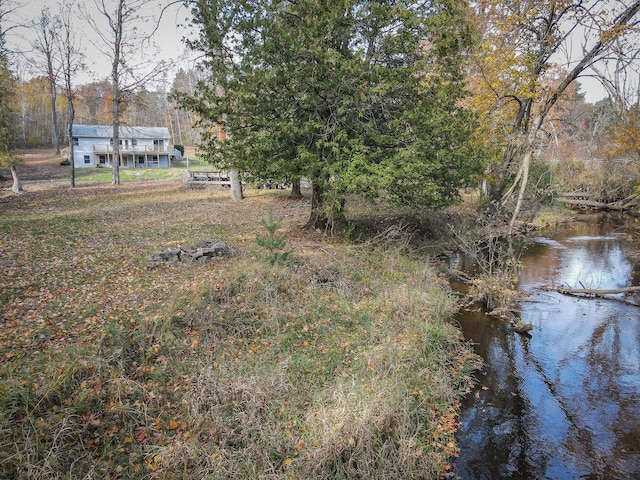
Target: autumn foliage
<point x="625" y="136"/>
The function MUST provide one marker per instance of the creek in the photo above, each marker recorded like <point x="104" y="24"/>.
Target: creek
<point x="563" y="402"/>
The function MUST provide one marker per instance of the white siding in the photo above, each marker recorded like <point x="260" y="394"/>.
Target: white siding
<point x="140" y="146"/>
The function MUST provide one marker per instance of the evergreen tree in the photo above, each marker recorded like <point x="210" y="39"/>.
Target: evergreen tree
<point x="358" y="96"/>
<point x="8" y="133"/>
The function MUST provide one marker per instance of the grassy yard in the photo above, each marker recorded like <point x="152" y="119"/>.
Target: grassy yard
<point x="340" y="362"/>
<point x="43" y="170"/>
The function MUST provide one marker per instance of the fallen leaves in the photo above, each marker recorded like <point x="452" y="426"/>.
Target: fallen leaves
<point x="75" y="276"/>
<point x="76" y="286"/>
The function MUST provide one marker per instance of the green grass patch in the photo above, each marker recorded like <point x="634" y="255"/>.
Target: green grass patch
<point x="97" y="176"/>
<point x="100" y="176"/>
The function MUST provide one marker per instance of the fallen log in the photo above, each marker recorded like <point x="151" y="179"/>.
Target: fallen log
<point x="459" y="275"/>
<point x="594" y="205"/>
<point x="619" y="206"/>
<point x="593" y="291"/>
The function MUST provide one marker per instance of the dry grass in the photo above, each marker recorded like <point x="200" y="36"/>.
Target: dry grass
<point x="339" y="363"/>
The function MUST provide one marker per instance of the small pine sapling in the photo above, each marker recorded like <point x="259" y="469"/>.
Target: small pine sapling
<point x="272" y="245"/>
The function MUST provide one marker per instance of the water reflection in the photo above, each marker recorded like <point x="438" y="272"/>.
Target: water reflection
<point x="564" y="403"/>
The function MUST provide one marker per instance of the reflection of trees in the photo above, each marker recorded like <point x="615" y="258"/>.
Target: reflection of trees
<point x="580" y="251"/>
<point x="577" y="435"/>
<point x="596" y="264"/>
<point x="540" y="264"/>
<point x="582" y="369"/>
<point x="604" y="386"/>
<point x="497" y="415"/>
<point x="597" y="410"/>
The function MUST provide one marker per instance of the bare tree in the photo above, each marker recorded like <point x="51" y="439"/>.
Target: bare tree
<point x="620" y="75"/>
<point x="9" y="12"/>
<point x="184" y="120"/>
<point x="71" y="59"/>
<point x="45" y="28"/>
<point x="123" y="35"/>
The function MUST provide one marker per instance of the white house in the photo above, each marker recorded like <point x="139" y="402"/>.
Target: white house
<point x="143" y="147"/>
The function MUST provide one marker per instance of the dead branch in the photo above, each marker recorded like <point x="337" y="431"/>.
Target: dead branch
<point x="592" y="291"/>
<point x="620" y="205"/>
<point x="459" y="276"/>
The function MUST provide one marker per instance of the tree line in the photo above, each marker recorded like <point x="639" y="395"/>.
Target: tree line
<point x="93" y="106"/>
<point x="402" y="102"/>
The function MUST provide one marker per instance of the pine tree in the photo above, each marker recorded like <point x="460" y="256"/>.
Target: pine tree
<point x="357" y="96"/>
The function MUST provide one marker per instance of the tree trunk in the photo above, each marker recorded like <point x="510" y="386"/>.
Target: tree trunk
<point x="70" y="133"/>
<point x="509" y="160"/>
<point x="295" y="189"/>
<point x="236" y="185"/>
<point x="321" y="214"/>
<point x="524" y="179"/>
<point x="17" y="185"/>
<point x="316" y="218"/>
<point x="523" y="173"/>
<point x="115" y="164"/>
<point x="54" y="115"/>
<point x="115" y="78"/>
<point x="73" y="168"/>
<point x="511" y="156"/>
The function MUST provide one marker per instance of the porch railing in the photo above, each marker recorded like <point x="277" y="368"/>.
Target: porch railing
<point x="108" y="148"/>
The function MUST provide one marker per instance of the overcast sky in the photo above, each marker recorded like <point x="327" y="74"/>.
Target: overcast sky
<point x="168" y="37"/>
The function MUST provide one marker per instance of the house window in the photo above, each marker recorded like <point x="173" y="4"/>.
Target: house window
<point x="75" y="141"/>
<point x="87" y="159"/>
<point x="102" y="159"/>
<point x="134" y="142"/>
<point x="141" y="159"/>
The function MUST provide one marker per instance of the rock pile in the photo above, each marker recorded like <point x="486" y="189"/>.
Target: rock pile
<point x="200" y="252"/>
